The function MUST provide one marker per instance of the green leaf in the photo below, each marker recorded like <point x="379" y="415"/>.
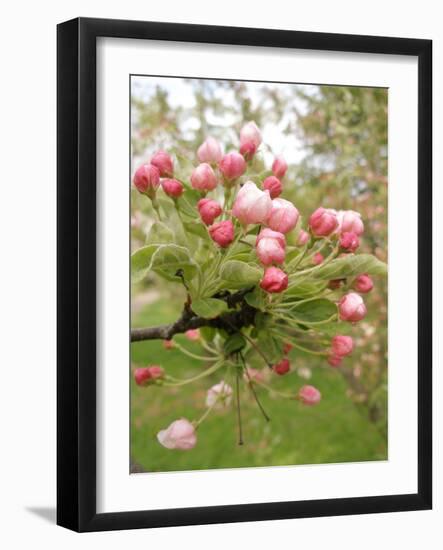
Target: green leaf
<point x="167" y="207"/>
<point x="160" y="233"/>
<point x="241" y="248"/>
<point x="208" y="333"/>
<point x="165" y="259"/>
<point x="141" y="262"/>
<point x="350" y="266"/>
<point x="250" y="239"/>
<point x="238" y="274"/>
<point x="234" y="343"/>
<point x="313" y="311"/>
<point x="173" y="222"/>
<point x="270" y="346"/>
<point x="185" y="203"/>
<point x="256" y="299"/>
<point x="170" y="258"/>
<point x="304" y="289"/>
<point x="197" y="228"/>
<point x="208" y="308"/>
<point x="261" y="320"/>
<point x="335" y="327"/>
<point x="292" y="257"/>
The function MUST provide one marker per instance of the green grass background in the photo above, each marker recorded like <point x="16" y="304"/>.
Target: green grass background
<point x="333" y="431"/>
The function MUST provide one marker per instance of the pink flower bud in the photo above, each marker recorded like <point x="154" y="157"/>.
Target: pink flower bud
<point x="219" y="396"/>
<point x="203" y="178"/>
<point x="251" y="204"/>
<point x="287" y="348"/>
<point x="283" y="216"/>
<point x="178" y="435"/>
<point x="274" y="280"/>
<point x="248" y="150"/>
<point x="309" y="395"/>
<point x="146" y="375"/>
<point x="168" y="344"/>
<point x="222" y="233"/>
<point x="147" y="179"/>
<point x="270" y="247"/>
<point x="173" y="188"/>
<point x="282" y="367"/>
<point x="156" y="372"/>
<point x="351" y="307"/>
<point x="363" y="283"/>
<point x="335" y="360"/>
<point x="349" y="241"/>
<point x="193" y="334"/>
<point x="164" y="163"/>
<point x="317" y="259"/>
<point x="253" y="375"/>
<point x="142" y="376"/>
<point x="279" y="167"/>
<point x="342" y="345"/>
<point x="210" y="151"/>
<point x="208" y="210"/>
<point x="303" y="237"/>
<point x="323" y="222"/>
<point x="250" y="134"/>
<point x="350" y="221"/>
<point x="273" y="185"/>
<point x="232" y="166"/>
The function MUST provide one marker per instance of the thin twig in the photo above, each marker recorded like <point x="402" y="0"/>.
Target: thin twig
<point x="237" y="391"/>
<point x="251" y="386"/>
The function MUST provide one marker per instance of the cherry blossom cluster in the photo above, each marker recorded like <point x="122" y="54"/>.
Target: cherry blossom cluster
<point x="253" y="206"/>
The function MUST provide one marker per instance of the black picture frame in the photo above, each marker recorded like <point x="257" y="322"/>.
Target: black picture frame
<point x="76" y="281"/>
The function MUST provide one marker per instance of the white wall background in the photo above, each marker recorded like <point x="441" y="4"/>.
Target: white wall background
<point x="27" y="288"/>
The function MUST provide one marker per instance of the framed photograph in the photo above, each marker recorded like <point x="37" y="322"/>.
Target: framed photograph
<point x="244" y="274"/>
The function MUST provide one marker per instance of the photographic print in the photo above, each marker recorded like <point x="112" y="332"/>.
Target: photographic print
<point x="258" y="274"/>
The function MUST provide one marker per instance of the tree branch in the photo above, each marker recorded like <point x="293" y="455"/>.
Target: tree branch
<point x="231" y="321"/>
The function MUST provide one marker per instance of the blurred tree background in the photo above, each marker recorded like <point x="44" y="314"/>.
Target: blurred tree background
<point x="335" y="141"/>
